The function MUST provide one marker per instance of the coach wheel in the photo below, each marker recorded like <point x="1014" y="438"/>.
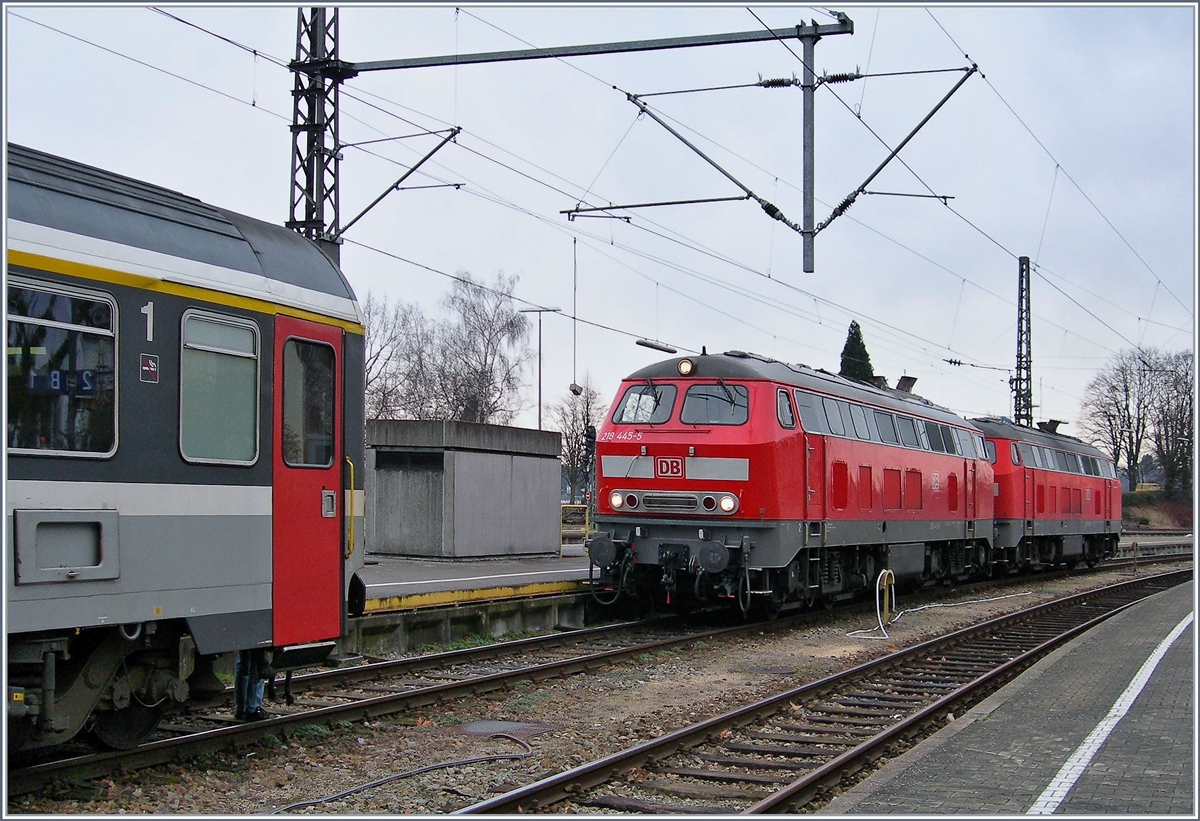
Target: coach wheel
<point x="126" y="728"/>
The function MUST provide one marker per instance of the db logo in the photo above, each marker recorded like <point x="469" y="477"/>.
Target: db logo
<point x="668" y="467"/>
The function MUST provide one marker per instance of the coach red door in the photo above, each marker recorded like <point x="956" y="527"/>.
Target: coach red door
<point x="307" y="479"/>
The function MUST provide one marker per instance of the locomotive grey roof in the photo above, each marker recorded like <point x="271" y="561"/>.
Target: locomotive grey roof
<point x="742" y="365"/>
<point x="1007" y="429"/>
<point x="57" y="193"/>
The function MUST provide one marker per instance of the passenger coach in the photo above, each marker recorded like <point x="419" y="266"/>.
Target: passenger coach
<point x="184" y="449"/>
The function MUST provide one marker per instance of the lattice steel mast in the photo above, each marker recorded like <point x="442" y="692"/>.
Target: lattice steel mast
<point x="1022" y="383"/>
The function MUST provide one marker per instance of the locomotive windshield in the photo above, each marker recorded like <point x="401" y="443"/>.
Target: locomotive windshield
<point x="645" y="404"/>
<point x="718" y="404"/>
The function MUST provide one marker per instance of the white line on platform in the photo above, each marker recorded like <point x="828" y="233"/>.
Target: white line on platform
<point x="1054" y="794"/>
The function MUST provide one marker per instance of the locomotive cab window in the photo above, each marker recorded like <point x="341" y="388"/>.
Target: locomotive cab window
<point x="61" y="371"/>
<point x="218" y="390"/>
<point x="783" y="409"/>
<point x="1013" y="454"/>
<point x="719" y="404"/>
<point x="646" y="404"/>
<point x="810" y="417"/>
<point x="308" y="404"/>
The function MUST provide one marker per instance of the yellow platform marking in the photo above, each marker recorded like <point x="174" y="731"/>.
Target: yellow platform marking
<point x="442" y="598"/>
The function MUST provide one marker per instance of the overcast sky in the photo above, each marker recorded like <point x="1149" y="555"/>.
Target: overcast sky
<point x="1074" y="145"/>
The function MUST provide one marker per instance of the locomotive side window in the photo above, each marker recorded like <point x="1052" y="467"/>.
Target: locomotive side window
<point x="1028" y="455"/>
<point x="861" y="429"/>
<point x="810" y="417"/>
<point x="1060" y="459"/>
<point x="718" y="404"/>
<point x="308" y="404"/>
<point x="783" y="409"/>
<point x="1013" y="454"/>
<point x="980" y="446"/>
<point x="886" y="424"/>
<point x="908" y="432"/>
<point x="935" y="437"/>
<point x="948" y="439"/>
<point x="833" y="414"/>
<point x="61" y="371"/>
<point x="647" y="404"/>
<point x="990" y="446"/>
<point x="218" y="390"/>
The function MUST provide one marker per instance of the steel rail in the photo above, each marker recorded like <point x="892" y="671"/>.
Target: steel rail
<point x="550" y="790"/>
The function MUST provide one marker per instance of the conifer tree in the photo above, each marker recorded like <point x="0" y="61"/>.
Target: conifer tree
<point x="856" y="362"/>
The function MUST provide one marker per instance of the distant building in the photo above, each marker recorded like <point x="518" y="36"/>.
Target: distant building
<point x="447" y="490"/>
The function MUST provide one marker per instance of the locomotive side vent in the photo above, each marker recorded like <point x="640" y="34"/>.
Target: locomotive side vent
<point x="670" y="502"/>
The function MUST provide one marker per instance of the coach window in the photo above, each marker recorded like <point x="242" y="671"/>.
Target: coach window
<point x="645" y="404"/>
<point x="218" y="390"/>
<point x="833" y="415"/>
<point x="783" y="409"/>
<point x="718" y="404"/>
<point x="886" y="424"/>
<point x="908" y="432"/>
<point x="61" y="371"/>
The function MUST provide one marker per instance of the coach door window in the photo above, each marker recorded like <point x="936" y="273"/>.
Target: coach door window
<point x="61" y="371"/>
<point x="308" y="404"/>
<point x="218" y="390"/>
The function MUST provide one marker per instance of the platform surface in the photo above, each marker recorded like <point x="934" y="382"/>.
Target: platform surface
<point x="395" y="583"/>
<point x="1005" y="756"/>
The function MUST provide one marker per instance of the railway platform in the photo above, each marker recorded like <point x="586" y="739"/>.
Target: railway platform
<point x="1055" y="740"/>
<point x="399" y="583"/>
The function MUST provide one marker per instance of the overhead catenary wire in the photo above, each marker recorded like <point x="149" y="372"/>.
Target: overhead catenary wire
<point x="1058" y="165"/>
<point x="201" y="85"/>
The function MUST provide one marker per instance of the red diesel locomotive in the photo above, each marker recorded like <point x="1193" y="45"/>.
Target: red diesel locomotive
<point x="735" y="476"/>
<point x="1058" y="500"/>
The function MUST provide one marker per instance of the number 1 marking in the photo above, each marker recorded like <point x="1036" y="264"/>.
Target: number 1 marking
<point x="148" y="310"/>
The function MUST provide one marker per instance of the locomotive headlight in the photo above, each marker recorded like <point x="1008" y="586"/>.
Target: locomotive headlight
<point x="728" y="503"/>
<point x="616" y="500"/>
<point x="685" y="367"/>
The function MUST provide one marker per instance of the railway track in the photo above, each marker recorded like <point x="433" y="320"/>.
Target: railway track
<point x="778" y="754"/>
<point x="388" y="687"/>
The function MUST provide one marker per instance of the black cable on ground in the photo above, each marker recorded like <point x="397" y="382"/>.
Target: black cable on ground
<point x="380" y="782"/>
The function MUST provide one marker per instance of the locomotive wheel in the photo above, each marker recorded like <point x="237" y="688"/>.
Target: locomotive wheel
<point x="127" y="728"/>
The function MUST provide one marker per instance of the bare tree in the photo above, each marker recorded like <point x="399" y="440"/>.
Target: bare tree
<point x="485" y="350"/>
<point x="1118" y="405"/>
<point x="466" y="367"/>
<point x="573" y="416"/>
<point x="1173" y="415"/>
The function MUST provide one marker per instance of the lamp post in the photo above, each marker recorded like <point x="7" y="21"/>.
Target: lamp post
<point x="539" y="312"/>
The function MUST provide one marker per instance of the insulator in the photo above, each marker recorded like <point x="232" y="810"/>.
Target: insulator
<point x="842" y="78"/>
<point x="781" y="82"/>
<point x="771" y="210"/>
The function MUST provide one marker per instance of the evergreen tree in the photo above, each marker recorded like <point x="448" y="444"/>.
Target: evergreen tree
<point x="856" y="362"/>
